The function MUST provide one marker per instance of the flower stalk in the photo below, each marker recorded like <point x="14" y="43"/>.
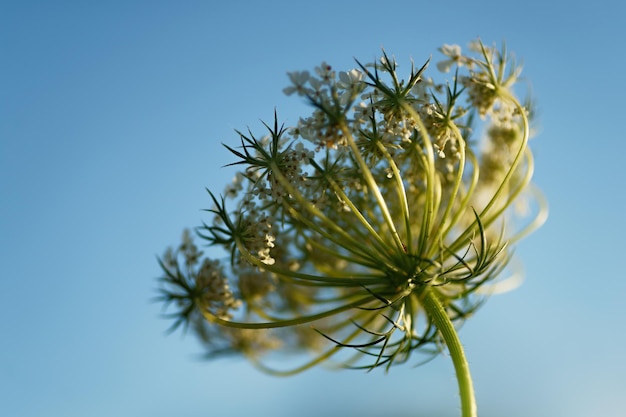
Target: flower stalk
<point x="451" y="338"/>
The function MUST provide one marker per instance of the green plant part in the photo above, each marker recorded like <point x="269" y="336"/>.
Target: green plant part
<point x="371" y="230"/>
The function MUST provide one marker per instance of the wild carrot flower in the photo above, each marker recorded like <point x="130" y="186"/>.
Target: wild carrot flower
<point x="374" y="227"/>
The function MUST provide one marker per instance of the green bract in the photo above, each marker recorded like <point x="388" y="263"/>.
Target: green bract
<point x="374" y="226"/>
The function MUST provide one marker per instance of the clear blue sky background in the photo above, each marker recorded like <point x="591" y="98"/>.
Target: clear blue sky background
<point x="111" y="116"/>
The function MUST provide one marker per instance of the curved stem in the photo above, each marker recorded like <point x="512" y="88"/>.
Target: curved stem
<point x="437" y="312"/>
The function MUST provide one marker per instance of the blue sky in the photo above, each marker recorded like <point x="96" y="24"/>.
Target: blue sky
<point x="111" y="119"/>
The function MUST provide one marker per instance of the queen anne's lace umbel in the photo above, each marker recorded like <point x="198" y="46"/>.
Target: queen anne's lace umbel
<point x="339" y="228"/>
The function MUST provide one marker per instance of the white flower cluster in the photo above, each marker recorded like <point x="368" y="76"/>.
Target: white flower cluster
<point x="197" y="280"/>
<point x="330" y="96"/>
<point x="397" y="208"/>
<point x="214" y="290"/>
<point x="259" y="238"/>
<point x="290" y="164"/>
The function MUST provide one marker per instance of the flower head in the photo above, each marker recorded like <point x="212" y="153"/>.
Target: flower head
<point x="454" y="57"/>
<point x="345" y="230"/>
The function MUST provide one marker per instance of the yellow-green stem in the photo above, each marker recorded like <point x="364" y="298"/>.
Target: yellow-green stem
<point x="437" y="313"/>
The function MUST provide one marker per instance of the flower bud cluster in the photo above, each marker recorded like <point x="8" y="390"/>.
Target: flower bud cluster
<point x="195" y="284"/>
<point x="213" y="289"/>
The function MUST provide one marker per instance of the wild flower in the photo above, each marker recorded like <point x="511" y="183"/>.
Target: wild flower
<point x="455" y="57"/>
<point x="372" y="229"/>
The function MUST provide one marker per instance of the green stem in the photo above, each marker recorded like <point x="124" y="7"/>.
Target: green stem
<point x="437" y="313"/>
